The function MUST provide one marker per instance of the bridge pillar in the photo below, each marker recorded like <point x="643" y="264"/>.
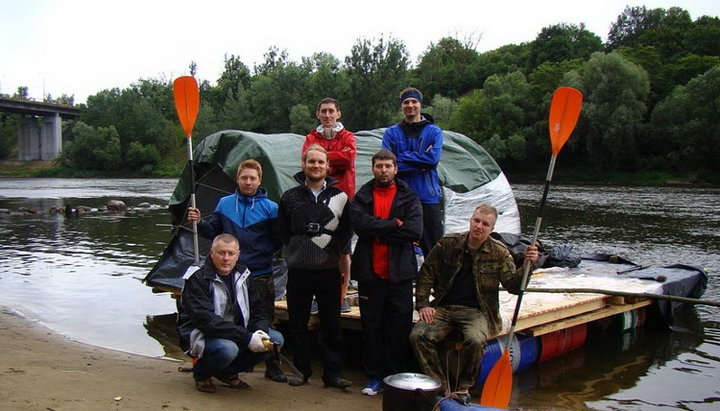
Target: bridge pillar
<point x="39" y="138"/>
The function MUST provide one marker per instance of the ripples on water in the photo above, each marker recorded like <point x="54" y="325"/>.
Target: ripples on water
<point x="81" y="276"/>
<point x="654" y="226"/>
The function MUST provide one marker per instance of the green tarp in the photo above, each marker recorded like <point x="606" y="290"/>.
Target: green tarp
<point x="468" y="175"/>
<point x="464" y="165"/>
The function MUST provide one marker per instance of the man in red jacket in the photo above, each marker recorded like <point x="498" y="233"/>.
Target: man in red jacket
<point x="339" y="143"/>
<point x="342" y="150"/>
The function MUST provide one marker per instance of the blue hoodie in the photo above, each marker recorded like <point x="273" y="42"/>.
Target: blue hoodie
<point x="253" y="220"/>
<point x="417" y="157"/>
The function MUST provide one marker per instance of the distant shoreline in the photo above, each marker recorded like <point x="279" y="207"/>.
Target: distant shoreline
<point x="47" y="169"/>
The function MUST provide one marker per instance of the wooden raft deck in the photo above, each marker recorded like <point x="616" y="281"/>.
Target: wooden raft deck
<point x="552" y="317"/>
<point x="543" y="313"/>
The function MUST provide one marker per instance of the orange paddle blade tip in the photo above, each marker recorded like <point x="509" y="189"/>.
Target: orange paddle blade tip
<point x="187" y="102"/>
<point x="564" y="112"/>
<point x="497" y="389"/>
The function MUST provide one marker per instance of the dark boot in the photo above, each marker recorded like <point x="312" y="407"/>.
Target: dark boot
<point x="273" y="371"/>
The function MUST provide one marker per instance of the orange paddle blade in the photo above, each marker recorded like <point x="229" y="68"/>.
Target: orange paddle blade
<point x="564" y="112"/>
<point x="187" y="102"/>
<point x="498" y="385"/>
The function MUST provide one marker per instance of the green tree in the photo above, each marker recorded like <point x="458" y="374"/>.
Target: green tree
<point x="301" y="121"/>
<point x="8" y="134"/>
<point x="144" y="158"/>
<point x="22" y="93"/>
<point x="667" y="30"/>
<point x="631" y="24"/>
<point x="503" y="60"/>
<point x="442" y="110"/>
<point x="278" y="85"/>
<point x="234" y="114"/>
<point x="703" y="36"/>
<point x="143" y="113"/>
<point x="445" y="68"/>
<point x="327" y="79"/>
<point x="376" y="74"/>
<point x="470" y="116"/>
<point x="235" y="76"/>
<point x="548" y="76"/>
<point x="93" y="149"/>
<point x="686" y="125"/>
<point x="563" y="42"/>
<point x="615" y="94"/>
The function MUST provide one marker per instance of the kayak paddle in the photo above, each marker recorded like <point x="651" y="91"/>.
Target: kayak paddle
<point x="564" y="112"/>
<point x="187" y="104"/>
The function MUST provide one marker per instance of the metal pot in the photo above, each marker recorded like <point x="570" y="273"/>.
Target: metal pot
<point x="409" y="391"/>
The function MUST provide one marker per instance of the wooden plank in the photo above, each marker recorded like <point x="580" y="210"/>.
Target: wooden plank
<point x="349" y="320"/>
<point x="585" y="318"/>
<point x="554" y="316"/>
<point x="174" y="292"/>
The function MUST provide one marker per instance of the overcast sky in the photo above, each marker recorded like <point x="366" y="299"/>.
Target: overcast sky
<point x="80" y="47"/>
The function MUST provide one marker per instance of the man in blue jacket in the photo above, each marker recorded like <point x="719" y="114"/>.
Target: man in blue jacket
<point x="417" y="144"/>
<point x="251" y="217"/>
<point x="222" y="320"/>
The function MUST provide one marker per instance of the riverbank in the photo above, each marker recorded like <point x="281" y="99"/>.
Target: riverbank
<point x="41" y="370"/>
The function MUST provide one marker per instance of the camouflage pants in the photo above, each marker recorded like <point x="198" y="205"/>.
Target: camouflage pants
<point x="425" y="337"/>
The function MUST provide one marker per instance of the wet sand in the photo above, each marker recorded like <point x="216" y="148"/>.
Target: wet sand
<point x="41" y="370"/>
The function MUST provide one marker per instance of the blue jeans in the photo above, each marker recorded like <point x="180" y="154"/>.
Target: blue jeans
<point x="224" y="358"/>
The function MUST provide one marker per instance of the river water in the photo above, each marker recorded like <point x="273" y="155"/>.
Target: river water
<point x="81" y="276"/>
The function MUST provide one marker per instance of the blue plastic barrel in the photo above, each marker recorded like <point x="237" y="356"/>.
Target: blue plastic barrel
<point x="490" y="357"/>
<point x="452" y="405"/>
<point x="528" y="350"/>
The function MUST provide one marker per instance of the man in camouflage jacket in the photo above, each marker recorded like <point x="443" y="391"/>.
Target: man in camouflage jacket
<point x="463" y="272"/>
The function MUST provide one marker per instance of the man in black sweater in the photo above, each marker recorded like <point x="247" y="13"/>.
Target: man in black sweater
<point x="316" y="232"/>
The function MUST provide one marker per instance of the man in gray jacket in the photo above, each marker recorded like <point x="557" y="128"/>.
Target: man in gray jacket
<point x="223" y="322"/>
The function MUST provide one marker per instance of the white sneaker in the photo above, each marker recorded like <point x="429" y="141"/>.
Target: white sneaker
<point x="373" y="388"/>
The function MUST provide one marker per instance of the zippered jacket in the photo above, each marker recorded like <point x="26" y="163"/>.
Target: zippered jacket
<point x="342" y="151"/>
<point x="407" y="208"/>
<point x="492" y="265"/>
<point x="204" y="306"/>
<point x="253" y="220"/>
<point x="417" y="158"/>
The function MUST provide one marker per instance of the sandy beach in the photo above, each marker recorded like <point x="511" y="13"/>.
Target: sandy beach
<point x="41" y="370"/>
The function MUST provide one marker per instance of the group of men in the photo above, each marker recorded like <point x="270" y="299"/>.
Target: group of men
<point x="226" y="307"/>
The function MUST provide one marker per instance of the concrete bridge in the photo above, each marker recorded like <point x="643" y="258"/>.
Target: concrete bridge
<point x="39" y="128"/>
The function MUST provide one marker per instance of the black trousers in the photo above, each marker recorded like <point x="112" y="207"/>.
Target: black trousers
<point x="386" y="309"/>
<point x="325" y="286"/>
<point x="432" y="227"/>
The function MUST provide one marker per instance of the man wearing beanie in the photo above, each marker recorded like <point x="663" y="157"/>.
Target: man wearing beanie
<point x="417" y="143"/>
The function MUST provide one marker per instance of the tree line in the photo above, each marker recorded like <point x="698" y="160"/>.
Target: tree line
<point x="650" y="98"/>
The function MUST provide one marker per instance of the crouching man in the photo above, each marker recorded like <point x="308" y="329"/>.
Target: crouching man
<point x="223" y="322"/>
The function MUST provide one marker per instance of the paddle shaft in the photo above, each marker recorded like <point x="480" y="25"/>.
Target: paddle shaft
<point x="196" y="245"/>
<point x="526" y="264"/>
<point x="624" y="294"/>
